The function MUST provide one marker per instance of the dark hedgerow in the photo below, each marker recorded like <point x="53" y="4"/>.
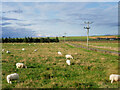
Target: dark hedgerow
<point x="29" y="40"/>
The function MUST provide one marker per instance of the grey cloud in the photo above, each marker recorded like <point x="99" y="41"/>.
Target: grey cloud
<point x="52" y="20"/>
<point x="22" y="24"/>
<point x="58" y="20"/>
<point x="19" y="32"/>
<point x="110" y="24"/>
<point x="6" y="18"/>
<point x="79" y="16"/>
<point x="99" y="18"/>
<point x="13" y="11"/>
<point x="5" y="24"/>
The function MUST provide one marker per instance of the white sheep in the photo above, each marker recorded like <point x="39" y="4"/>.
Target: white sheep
<point x="12" y="77"/>
<point x="7" y="51"/>
<point x="68" y="56"/>
<point x="68" y="62"/>
<point x="114" y="77"/>
<point x="21" y="65"/>
<point x="59" y="53"/>
<point x="23" y="49"/>
<point x="3" y="50"/>
<point x="35" y="50"/>
<point x="29" y="44"/>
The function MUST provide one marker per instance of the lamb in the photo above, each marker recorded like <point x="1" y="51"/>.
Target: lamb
<point x="68" y="56"/>
<point x="7" y="51"/>
<point x="68" y="62"/>
<point x="21" y="65"/>
<point x="12" y="77"/>
<point x="23" y="49"/>
<point x="114" y="77"/>
<point x="59" y="53"/>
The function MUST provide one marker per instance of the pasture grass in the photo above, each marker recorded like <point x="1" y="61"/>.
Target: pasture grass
<point x="47" y="69"/>
<point x="84" y="38"/>
<point x="108" y="45"/>
<point x="74" y="38"/>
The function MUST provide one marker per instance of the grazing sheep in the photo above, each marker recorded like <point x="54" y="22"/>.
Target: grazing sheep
<point x="23" y="49"/>
<point x="114" y="77"/>
<point x="68" y="62"/>
<point x="7" y="51"/>
<point x="12" y="77"/>
<point x="59" y="53"/>
<point x="29" y="44"/>
<point x="35" y="50"/>
<point x="21" y="65"/>
<point x="68" y="56"/>
<point x="76" y="53"/>
<point x="3" y="50"/>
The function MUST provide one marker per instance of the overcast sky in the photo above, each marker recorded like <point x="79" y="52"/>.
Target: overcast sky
<point x="36" y="19"/>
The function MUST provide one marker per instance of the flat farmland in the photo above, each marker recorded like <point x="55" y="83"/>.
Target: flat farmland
<point x="84" y="38"/>
<point x="74" y="38"/>
<point x="47" y="69"/>
<point x="104" y="45"/>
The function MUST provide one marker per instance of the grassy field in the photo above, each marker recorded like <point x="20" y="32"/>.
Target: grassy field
<point x="47" y="69"/>
<point x="74" y="38"/>
<point x="84" y="38"/>
<point x="104" y="45"/>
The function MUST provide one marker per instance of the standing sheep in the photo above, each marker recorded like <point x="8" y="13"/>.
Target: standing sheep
<point x="3" y="50"/>
<point x="35" y="50"/>
<point x="12" y="77"/>
<point x="114" y="77"/>
<point x="68" y="56"/>
<point x="59" y="53"/>
<point x="21" y="65"/>
<point x="23" y="49"/>
<point x="7" y="51"/>
<point x="68" y="62"/>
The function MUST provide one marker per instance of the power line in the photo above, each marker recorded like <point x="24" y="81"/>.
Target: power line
<point x="87" y="30"/>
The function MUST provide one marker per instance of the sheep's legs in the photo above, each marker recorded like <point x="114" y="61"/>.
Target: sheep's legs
<point x="17" y="67"/>
<point x="112" y="81"/>
<point x="10" y="82"/>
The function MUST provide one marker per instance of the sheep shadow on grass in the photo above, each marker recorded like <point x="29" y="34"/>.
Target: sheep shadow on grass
<point x="85" y="85"/>
<point x="34" y="66"/>
<point x="31" y="67"/>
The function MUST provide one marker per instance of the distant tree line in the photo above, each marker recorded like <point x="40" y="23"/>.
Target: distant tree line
<point x="29" y="40"/>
